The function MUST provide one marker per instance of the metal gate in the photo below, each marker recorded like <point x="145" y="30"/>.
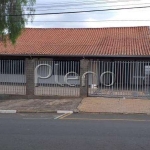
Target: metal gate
<point x="119" y="78"/>
<point x="57" y="78"/>
<point x="12" y="77"/>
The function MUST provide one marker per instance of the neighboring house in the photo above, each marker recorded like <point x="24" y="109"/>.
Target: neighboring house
<point x="118" y="61"/>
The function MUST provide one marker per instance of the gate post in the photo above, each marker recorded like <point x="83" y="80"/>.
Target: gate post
<point x="29" y="70"/>
<point x="83" y="69"/>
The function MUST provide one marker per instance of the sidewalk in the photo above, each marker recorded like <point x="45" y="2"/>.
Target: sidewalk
<point x="87" y="105"/>
<point x="114" y="105"/>
<point x="40" y="105"/>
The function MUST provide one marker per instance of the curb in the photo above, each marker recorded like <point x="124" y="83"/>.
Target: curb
<point x="25" y="111"/>
<point x="115" y="113"/>
<point x="64" y="112"/>
<point x="8" y="111"/>
<point x="35" y="111"/>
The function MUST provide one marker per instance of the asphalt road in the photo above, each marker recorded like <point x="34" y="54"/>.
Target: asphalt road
<point x="75" y="132"/>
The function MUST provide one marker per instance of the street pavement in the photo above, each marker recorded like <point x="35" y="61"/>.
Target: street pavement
<point x="75" y="132"/>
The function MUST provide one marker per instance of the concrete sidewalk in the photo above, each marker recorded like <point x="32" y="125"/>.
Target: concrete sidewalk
<point x="87" y="105"/>
<point x="114" y="105"/>
<point x="40" y="105"/>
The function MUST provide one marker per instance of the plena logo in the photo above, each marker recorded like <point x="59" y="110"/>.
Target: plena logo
<point x="74" y="76"/>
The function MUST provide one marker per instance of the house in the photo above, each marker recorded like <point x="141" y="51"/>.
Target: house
<point x="113" y="62"/>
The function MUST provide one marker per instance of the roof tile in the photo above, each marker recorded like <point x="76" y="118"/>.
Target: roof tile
<point x="129" y="41"/>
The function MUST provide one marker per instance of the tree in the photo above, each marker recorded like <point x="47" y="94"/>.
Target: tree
<point x="12" y="18"/>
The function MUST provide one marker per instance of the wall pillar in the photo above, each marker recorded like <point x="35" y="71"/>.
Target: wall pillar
<point x="83" y="81"/>
<point x="29" y="70"/>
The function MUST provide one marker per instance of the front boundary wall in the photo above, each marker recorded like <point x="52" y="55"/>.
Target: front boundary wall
<point x="48" y="78"/>
<point x="39" y="78"/>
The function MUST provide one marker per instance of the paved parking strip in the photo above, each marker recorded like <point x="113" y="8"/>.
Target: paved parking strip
<point x="107" y="117"/>
<point x="77" y="116"/>
<point x="29" y="116"/>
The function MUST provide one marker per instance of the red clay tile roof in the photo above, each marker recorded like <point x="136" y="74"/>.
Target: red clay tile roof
<point x="128" y="41"/>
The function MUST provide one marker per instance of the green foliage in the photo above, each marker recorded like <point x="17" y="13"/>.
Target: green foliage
<point x="12" y="20"/>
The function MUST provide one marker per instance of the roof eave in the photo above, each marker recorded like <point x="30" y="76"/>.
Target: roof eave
<point x="83" y="56"/>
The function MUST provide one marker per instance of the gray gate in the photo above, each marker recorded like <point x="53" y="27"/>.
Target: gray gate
<point x="57" y="78"/>
<point x="12" y="77"/>
<point x="119" y="78"/>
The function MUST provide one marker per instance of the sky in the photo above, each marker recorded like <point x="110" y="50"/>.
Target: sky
<point x="141" y="17"/>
